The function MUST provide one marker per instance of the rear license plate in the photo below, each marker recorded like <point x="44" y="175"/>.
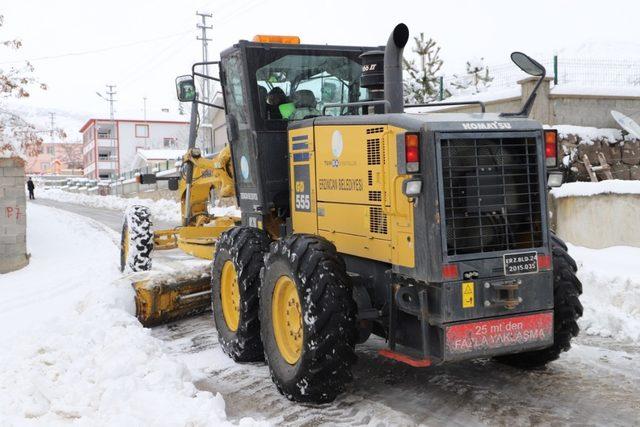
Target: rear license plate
<point x="522" y="263"/>
<point x="484" y="337"/>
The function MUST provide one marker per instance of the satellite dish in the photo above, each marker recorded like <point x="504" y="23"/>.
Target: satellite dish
<point x="627" y="124"/>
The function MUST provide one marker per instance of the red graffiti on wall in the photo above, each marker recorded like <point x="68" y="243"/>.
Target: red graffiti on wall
<point x="13" y="212"/>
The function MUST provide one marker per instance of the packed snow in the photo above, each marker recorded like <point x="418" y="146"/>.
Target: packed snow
<point x="71" y="351"/>
<point x="611" y="286"/>
<point x="585" y="189"/>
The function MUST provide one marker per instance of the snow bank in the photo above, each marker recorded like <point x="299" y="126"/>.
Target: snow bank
<point x="163" y="209"/>
<point x="588" y="134"/>
<point x="590" y="90"/>
<point x="70" y="350"/>
<point x="612" y="186"/>
<point x="611" y="284"/>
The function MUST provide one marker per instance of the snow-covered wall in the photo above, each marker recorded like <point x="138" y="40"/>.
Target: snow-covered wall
<point x="13" y="219"/>
<point x="597" y="215"/>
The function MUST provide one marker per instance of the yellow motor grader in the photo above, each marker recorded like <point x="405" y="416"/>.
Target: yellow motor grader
<point x="357" y="217"/>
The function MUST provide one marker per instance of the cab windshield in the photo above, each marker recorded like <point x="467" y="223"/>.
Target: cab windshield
<point x="295" y="87"/>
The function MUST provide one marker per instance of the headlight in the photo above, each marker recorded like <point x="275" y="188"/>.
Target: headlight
<point x="412" y="187"/>
<point x="554" y="180"/>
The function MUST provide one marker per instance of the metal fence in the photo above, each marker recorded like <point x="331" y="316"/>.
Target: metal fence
<point x="587" y="72"/>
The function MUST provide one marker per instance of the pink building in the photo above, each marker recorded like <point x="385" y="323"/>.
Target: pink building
<point x="59" y="158"/>
<point x="109" y="147"/>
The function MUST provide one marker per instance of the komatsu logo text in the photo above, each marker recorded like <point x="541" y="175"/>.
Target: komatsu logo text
<point x="486" y="125"/>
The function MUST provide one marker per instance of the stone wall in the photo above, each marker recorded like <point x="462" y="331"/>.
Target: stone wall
<point x="13" y="215"/>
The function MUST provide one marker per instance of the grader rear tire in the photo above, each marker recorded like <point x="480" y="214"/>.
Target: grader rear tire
<point x="308" y="319"/>
<point x="136" y="241"/>
<point x="567" y="310"/>
<point x="235" y="280"/>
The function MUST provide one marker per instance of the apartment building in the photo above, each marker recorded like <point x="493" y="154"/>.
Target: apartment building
<point x="109" y="147"/>
<point x="59" y="158"/>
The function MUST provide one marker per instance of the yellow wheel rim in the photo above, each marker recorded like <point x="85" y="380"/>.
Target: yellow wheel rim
<point x="125" y="244"/>
<point x="230" y="295"/>
<point x="287" y="319"/>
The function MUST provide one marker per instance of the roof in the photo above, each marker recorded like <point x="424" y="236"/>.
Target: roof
<point x="93" y="120"/>
<point x="161" y="154"/>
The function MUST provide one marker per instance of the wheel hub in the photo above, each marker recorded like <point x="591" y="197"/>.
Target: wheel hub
<point x="230" y="295"/>
<point x="287" y="319"/>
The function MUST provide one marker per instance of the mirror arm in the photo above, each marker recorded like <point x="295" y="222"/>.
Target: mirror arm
<point x="528" y="105"/>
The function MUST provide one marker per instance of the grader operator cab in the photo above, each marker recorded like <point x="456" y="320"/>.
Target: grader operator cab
<point x="429" y="230"/>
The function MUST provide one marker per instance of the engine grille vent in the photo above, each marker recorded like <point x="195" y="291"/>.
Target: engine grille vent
<point x="374" y="130"/>
<point x="373" y="151"/>
<point x="375" y="196"/>
<point x="370" y="177"/>
<point x="378" y="220"/>
<point x="492" y="199"/>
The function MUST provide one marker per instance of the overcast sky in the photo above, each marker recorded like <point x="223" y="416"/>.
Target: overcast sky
<point x="159" y="37"/>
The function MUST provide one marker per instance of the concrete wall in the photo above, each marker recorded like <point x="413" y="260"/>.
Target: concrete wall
<point x="13" y="216"/>
<point x="558" y="106"/>
<point x="598" y="221"/>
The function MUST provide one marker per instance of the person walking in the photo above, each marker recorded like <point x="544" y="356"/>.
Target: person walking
<point x="31" y="186"/>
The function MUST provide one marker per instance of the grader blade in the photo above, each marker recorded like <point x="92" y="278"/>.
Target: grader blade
<point x="166" y="297"/>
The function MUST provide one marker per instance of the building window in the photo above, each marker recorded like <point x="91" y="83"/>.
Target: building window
<point x="142" y="131"/>
<point x="44" y="167"/>
<point x="169" y="142"/>
<point x="51" y="150"/>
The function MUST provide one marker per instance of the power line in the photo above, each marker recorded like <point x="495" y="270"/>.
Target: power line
<point x="104" y="49"/>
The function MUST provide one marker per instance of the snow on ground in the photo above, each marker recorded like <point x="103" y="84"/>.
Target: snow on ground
<point x="610" y="186"/>
<point x="71" y="352"/>
<point x="611" y="284"/>
<point x="162" y="209"/>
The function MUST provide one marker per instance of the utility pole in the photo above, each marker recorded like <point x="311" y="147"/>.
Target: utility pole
<point x="109" y="98"/>
<point x="144" y="100"/>
<point x="203" y="27"/>
<point x="205" y="48"/>
<point x="53" y="124"/>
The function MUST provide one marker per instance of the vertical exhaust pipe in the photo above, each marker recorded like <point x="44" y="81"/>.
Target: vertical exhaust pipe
<point x="393" y="91"/>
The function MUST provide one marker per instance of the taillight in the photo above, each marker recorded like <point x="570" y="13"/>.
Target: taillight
<point x="544" y="262"/>
<point x="551" y="147"/>
<point x="412" y="152"/>
<point x="450" y="271"/>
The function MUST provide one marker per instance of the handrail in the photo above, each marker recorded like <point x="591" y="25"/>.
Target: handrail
<point x="436" y="104"/>
<point x="387" y="104"/>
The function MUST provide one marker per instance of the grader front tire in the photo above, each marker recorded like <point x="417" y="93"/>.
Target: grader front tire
<point x="136" y="241"/>
<point x="308" y="319"/>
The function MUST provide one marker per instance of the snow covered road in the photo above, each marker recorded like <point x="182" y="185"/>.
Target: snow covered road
<point x="596" y="383"/>
<point x="71" y="352"/>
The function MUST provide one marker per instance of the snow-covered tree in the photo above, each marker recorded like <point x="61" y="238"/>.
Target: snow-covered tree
<point x="16" y="134"/>
<point x="421" y="84"/>
<point x="476" y="79"/>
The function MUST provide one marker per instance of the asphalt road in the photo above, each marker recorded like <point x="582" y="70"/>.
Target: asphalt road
<point x="595" y="383"/>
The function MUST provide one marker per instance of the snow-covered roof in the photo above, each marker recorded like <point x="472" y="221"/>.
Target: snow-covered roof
<point x="578" y="89"/>
<point x="161" y="154"/>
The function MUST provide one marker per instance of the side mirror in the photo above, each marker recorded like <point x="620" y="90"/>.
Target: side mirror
<point x="185" y="88"/>
<point x="528" y="64"/>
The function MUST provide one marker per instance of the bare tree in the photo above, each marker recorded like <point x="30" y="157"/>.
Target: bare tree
<point x="476" y="78"/>
<point x="72" y="155"/>
<point x="16" y="134"/>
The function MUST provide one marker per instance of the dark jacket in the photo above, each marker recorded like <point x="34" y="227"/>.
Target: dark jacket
<point x="30" y="185"/>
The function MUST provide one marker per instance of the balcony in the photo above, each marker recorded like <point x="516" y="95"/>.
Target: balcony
<point x="106" y="142"/>
<point x="107" y="165"/>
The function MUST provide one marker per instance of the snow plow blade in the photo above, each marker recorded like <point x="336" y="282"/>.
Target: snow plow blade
<point x="167" y="297"/>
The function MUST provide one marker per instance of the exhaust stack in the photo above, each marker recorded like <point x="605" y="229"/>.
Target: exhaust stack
<point x="393" y="67"/>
